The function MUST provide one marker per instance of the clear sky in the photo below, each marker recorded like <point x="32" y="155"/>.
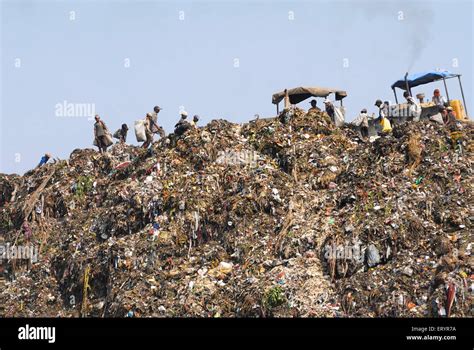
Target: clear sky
<point x="218" y="59"/>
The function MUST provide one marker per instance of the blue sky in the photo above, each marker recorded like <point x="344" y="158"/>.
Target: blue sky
<point x="223" y="59"/>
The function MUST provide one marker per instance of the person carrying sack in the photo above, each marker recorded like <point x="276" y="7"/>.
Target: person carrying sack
<point x="148" y="130"/>
<point x="102" y="138"/>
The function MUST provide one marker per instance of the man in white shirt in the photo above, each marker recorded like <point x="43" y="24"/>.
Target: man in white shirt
<point x="415" y="108"/>
<point x="438" y="99"/>
<point x="381" y="108"/>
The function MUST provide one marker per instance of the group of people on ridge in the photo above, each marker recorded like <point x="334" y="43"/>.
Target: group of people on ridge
<point x="103" y="138"/>
<point x="384" y="113"/>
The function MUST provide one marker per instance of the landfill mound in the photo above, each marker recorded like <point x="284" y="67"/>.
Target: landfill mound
<point x="265" y="219"/>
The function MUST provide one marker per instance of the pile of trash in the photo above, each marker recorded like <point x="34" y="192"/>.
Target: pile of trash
<point x="273" y="218"/>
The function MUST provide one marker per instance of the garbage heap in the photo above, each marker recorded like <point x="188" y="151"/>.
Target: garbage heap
<point x="273" y="218"/>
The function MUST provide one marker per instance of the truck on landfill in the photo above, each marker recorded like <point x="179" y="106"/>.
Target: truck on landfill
<point x="428" y="108"/>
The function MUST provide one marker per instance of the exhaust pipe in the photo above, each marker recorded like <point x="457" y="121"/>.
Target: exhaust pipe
<point x="406" y="83"/>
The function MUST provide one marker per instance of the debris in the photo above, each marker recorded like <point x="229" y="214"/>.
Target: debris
<point x="373" y="257"/>
<point x="408" y="271"/>
<point x="254" y="220"/>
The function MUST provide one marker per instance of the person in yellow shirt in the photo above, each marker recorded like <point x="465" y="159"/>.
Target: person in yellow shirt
<point x="382" y="119"/>
<point x="385" y="125"/>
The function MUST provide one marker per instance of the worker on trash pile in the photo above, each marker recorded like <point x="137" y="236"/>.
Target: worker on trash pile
<point x="148" y="130"/>
<point x="382" y="119"/>
<point x="362" y="121"/>
<point x="156" y="110"/>
<point x="451" y="111"/>
<point x="437" y="98"/>
<point x="444" y="113"/>
<point x="314" y="108"/>
<point x="384" y="125"/>
<point x="182" y="120"/>
<point x="183" y="116"/>
<point x="195" y="121"/>
<point x="123" y="133"/>
<point x="44" y="159"/>
<point x="330" y="110"/>
<point x="386" y="108"/>
<point x="450" y="118"/>
<point x="182" y="125"/>
<point x="410" y="99"/>
<point x="100" y="131"/>
<point x="414" y="106"/>
<point x="157" y="129"/>
<point x="380" y="105"/>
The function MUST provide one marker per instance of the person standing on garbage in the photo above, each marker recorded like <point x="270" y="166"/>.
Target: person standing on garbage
<point x="444" y="114"/>
<point x="148" y="130"/>
<point x="383" y="121"/>
<point x="451" y="112"/>
<point x="362" y="121"/>
<point x="330" y="110"/>
<point x="437" y="99"/>
<point x="314" y="108"/>
<point x="156" y="128"/>
<point x="386" y="108"/>
<point x="100" y="130"/>
<point x="182" y="125"/>
<point x="451" y="119"/>
<point x="44" y="160"/>
<point x="195" y="121"/>
<point x="385" y="126"/>
<point x="414" y="107"/>
<point x="410" y="99"/>
<point x="123" y="133"/>
<point x="379" y="104"/>
<point x="387" y="112"/>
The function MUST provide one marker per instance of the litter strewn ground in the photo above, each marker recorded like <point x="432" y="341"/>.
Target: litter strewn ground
<point x="264" y="219"/>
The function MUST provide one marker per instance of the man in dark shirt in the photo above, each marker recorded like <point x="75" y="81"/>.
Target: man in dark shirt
<point x="330" y="110"/>
<point x="123" y="133"/>
<point x="182" y="125"/>
<point x="100" y="131"/>
<point x="313" y="108"/>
